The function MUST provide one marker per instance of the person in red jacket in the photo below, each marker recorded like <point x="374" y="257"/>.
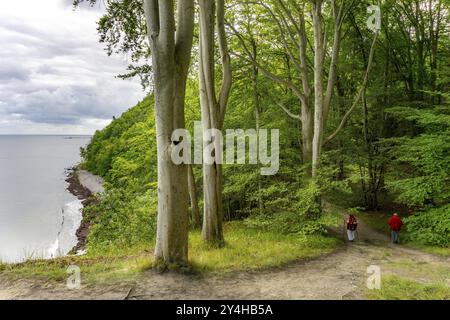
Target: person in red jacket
<point x="396" y="224"/>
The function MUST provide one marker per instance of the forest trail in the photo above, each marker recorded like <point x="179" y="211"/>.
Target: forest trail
<point x="340" y="275"/>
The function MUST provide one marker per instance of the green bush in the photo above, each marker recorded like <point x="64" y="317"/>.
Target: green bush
<point x="431" y="227"/>
<point x="125" y="220"/>
<point x="422" y="162"/>
<point x="124" y="153"/>
<point x="306" y="218"/>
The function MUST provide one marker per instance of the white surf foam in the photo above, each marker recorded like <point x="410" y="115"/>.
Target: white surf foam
<point x="66" y="238"/>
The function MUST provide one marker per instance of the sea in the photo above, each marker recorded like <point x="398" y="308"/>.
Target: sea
<point x="38" y="215"/>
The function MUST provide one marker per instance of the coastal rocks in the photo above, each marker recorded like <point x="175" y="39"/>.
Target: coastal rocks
<point x="84" y="185"/>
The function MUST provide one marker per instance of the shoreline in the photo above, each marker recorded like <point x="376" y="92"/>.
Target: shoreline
<point x="84" y="189"/>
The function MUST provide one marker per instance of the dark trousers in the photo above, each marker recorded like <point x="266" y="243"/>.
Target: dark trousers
<point x="395" y="236"/>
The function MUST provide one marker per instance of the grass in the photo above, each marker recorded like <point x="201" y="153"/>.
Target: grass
<point x="396" y="288"/>
<point x="93" y="269"/>
<point x="245" y="249"/>
<point x="439" y="251"/>
<point x="378" y="221"/>
<point x="419" y="270"/>
<point x="248" y="248"/>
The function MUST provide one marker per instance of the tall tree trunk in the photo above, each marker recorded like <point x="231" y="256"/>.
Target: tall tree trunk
<point x="307" y="112"/>
<point x="195" y="211"/>
<point x="370" y="192"/>
<point x="170" y="69"/>
<point x="340" y="107"/>
<point x="419" y="30"/>
<point x="213" y="111"/>
<point x="434" y="31"/>
<point x="256" y="101"/>
<point x="318" y="85"/>
<point x="307" y="121"/>
<point x="213" y="212"/>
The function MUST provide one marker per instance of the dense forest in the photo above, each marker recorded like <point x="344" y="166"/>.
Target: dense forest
<point x="361" y="102"/>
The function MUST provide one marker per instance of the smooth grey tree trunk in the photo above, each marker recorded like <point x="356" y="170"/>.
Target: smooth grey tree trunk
<point x="195" y="211"/>
<point x="307" y="122"/>
<point x="213" y="110"/>
<point x="170" y="61"/>
<point x="257" y="105"/>
<point x="318" y="85"/>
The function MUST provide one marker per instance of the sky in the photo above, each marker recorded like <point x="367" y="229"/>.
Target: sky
<point x="55" y="77"/>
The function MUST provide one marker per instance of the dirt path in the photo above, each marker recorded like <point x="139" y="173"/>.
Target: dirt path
<point x="341" y="275"/>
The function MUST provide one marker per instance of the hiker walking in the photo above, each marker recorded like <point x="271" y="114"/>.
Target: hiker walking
<point x="396" y="224"/>
<point x="351" y="224"/>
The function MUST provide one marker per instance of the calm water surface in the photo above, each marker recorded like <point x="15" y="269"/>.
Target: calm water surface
<point x="38" y="216"/>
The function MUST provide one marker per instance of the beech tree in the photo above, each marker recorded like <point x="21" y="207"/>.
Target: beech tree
<point x="171" y="52"/>
<point x="213" y="108"/>
<point x="314" y="91"/>
<point x="169" y="27"/>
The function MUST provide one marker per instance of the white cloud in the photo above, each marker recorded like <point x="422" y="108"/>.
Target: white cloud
<point x="54" y="75"/>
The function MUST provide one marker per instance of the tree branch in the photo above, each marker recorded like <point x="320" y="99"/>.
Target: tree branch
<point x="151" y="9"/>
<point x="338" y="18"/>
<point x="287" y="111"/>
<point x="301" y="31"/>
<point x="185" y="31"/>
<point x="225" y="55"/>
<point x="166" y="24"/>
<point x="360" y="92"/>
<point x="283" y="38"/>
<point x="266" y="72"/>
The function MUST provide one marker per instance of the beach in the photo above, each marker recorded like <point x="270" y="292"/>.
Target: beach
<point x="85" y="186"/>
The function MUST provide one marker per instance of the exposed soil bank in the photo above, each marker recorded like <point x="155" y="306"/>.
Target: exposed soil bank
<point x="84" y="185"/>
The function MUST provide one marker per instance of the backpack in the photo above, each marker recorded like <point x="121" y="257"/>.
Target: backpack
<point x="352" y="224"/>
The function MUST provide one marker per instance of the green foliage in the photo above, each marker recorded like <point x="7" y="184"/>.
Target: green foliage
<point x="126" y="220"/>
<point x="431" y="227"/>
<point x="424" y="159"/>
<point x="304" y="218"/>
<point x="428" y="167"/>
<point x="293" y="223"/>
<point x="117" y="152"/>
<point x="124" y="153"/>
<point x="436" y="119"/>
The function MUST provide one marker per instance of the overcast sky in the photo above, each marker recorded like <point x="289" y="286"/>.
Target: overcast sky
<point x="55" y="78"/>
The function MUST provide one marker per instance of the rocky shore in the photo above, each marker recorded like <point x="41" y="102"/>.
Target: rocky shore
<point x="84" y="185"/>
